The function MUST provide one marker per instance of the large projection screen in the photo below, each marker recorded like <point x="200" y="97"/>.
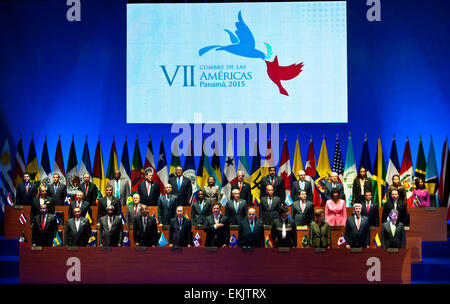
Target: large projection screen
<point x="237" y="62"/>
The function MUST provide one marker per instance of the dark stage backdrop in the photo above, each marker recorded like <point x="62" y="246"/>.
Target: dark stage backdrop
<point x="69" y="78"/>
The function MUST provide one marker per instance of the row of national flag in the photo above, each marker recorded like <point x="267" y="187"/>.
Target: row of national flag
<point x="316" y="173"/>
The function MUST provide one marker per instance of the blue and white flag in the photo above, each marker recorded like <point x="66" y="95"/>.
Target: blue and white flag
<point x="124" y="222"/>
<point x="233" y="241"/>
<point x="162" y="240"/>
<point x="22" y="219"/>
<point x="289" y="201"/>
<point x="126" y="240"/>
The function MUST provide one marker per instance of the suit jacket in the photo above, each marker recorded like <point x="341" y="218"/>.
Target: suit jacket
<point x="130" y="214"/>
<point x="23" y="197"/>
<point x="396" y="241"/>
<point x="236" y="217"/>
<point x="278" y="187"/>
<point x="217" y="237"/>
<point x="124" y="190"/>
<point x="269" y="214"/>
<point x="277" y="231"/>
<point x="354" y="237"/>
<point x="246" y="192"/>
<point x="320" y="236"/>
<point x="373" y="214"/>
<point x="103" y="203"/>
<point x="357" y="197"/>
<point x="91" y="195"/>
<point x="303" y="218"/>
<point x="401" y="192"/>
<point x="85" y="209"/>
<point x="149" y="199"/>
<point x="147" y="237"/>
<point x="111" y="237"/>
<point x="328" y="188"/>
<point x="296" y="190"/>
<point x="36" y="204"/>
<point x="199" y="216"/>
<point x="249" y="238"/>
<point x="403" y="215"/>
<point x="44" y="237"/>
<point x="61" y="193"/>
<point x="179" y="237"/>
<point x="212" y="194"/>
<point x="167" y="208"/>
<point x="80" y="237"/>
<point x="185" y="192"/>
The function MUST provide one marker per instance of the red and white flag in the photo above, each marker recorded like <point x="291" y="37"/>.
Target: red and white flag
<point x="58" y="166"/>
<point x="311" y="172"/>
<point x="197" y="240"/>
<point x="150" y="163"/>
<point x="407" y="175"/>
<point x="341" y="241"/>
<point x="22" y="219"/>
<point x="285" y="168"/>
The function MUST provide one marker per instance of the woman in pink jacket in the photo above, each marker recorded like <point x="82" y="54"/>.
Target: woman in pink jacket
<point x="335" y="210"/>
<point x="421" y="196"/>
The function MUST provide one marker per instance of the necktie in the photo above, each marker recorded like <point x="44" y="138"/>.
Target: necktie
<point x="179" y="183"/>
<point x="393" y="228"/>
<point x="271" y="180"/>
<point x="144" y="222"/>
<point x="201" y="206"/>
<point x="87" y="187"/>
<point x="357" y="222"/>
<point x="135" y="210"/>
<point x="56" y="187"/>
<point x="117" y="189"/>
<point x="180" y="222"/>
<point x="270" y="203"/>
<point x="26" y="188"/>
<point x="240" y="186"/>
<point x="148" y="188"/>
<point x="110" y="222"/>
<point x="43" y="222"/>
<point x="236" y="205"/>
<point x="251" y="226"/>
<point x="302" y="185"/>
<point x="368" y="206"/>
<point x="283" y="232"/>
<point x="79" y="204"/>
<point x="303" y="207"/>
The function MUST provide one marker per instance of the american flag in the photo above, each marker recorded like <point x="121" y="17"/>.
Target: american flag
<point x="338" y="164"/>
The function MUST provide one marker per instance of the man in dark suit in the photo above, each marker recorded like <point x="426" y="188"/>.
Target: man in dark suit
<point x="42" y="199"/>
<point x="302" y="210"/>
<point x="84" y="206"/>
<point x="148" y="189"/>
<point x="357" y="231"/>
<point x="180" y="233"/>
<point x="217" y="228"/>
<point x="284" y="231"/>
<point x="269" y="207"/>
<point x="302" y="184"/>
<point x="89" y="190"/>
<point x="393" y="233"/>
<point x="244" y="188"/>
<point x="167" y="204"/>
<point x="251" y="231"/>
<point x="200" y="209"/>
<point x="181" y="187"/>
<point x="57" y="191"/>
<point x="78" y="230"/>
<point x="236" y="208"/>
<point x="331" y="185"/>
<point x="44" y="228"/>
<point x="370" y="209"/>
<point x="26" y="191"/>
<point x="145" y="230"/>
<point x="111" y="231"/>
<point x="276" y="182"/>
<point x="121" y="188"/>
<point x="395" y="203"/>
<point x="108" y="200"/>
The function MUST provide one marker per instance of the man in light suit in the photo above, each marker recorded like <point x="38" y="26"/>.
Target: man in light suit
<point x="89" y="190"/>
<point x="302" y="184"/>
<point x="167" y="204"/>
<point x="181" y="187"/>
<point x="80" y="203"/>
<point x="78" y="230"/>
<point x="276" y="182"/>
<point x="149" y="190"/>
<point x="270" y="207"/>
<point x="120" y="188"/>
<point x="133" y="210"/>
<point x="302" y="210"/>
<point x="111" y="231"/>
<point x="180" y="230"/>
<point x="370" y="209"/>
<point x="217" y="228"/>
<point x="393" y="232"/>
<point x="26" y="191"/>
<point x="331" y="185"/>
<point x="106" y="201"/>
<point x="251" y="231"/>
<point x="57" y="191"/>
<point x="244" y="188"/>
<point x="200" y="209"/>
<point x="44" y="228"/>
<point x="145" y="230"/>
<point x="236" y="208"/>
<point x="357" y="231"/>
